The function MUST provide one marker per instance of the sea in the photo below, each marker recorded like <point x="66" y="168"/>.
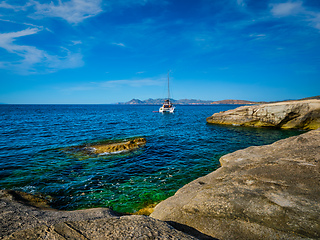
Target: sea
<point x="180" y="148"/>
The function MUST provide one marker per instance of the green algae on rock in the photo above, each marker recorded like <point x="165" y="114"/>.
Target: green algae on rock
<point x="292" y="114"/>
<point x="105" y="147"/>
<point x="35" y="200"/>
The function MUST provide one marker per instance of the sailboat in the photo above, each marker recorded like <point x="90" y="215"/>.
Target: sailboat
<point x="167" y="106"/>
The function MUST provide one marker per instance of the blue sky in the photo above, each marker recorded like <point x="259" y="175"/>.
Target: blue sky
<point x="98" y="51"/>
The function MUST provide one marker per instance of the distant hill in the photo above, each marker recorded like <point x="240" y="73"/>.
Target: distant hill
<point x="134" y="101"/>
<point x="308" y="98"/>
<point x="231" y="101"/>
<point x="159" y="101"/>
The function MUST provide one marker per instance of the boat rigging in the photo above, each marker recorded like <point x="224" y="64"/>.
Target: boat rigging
<point x="167" y="106"/>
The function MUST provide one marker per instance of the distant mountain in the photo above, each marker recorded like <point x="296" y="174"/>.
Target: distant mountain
<point x="159" y="101"/>
<point x="134" y="101"/>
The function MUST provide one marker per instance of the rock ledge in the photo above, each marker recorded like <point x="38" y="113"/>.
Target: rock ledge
<point x="262" y="192"/>
<point x="292" y="114"/>
<point x="19" y="219"/>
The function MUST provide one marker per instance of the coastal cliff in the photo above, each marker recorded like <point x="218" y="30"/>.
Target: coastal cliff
<point x="303" y="114"/>
<point x="262" y="192"/>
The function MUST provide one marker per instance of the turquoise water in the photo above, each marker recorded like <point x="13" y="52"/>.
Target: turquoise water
<point x="180" y="148"/>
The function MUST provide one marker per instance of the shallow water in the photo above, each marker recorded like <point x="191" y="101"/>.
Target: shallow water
<point x="180" y="148"/>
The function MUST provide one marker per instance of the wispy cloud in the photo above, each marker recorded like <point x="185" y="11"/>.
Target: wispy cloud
<point x="296" y="8"/>
<point x="76" y="42"/>
<point x="241" y="3"/>
<point x="15" y="8"/>
<point x="134" y="83"/>
<point x="119" y="44"/>
<point x="286" y="9"/>
<point x="258" y="36"/>
<point x="129" y="3"/>
<point x="7" y="39"/>
<point x="23" y="23"/>
<point x="316" y="20"/>
<point x="73" y="11"/>
<point x="31" y="59"/>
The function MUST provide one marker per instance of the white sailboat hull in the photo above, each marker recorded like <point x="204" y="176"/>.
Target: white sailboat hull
<point x="166" y="110"/>
<point x="167" y="106"/>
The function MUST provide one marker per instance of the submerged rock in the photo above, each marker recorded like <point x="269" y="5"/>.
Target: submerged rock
<point x="105" y="147"/>
<point x="20" y="221"/>
<point x="118" y="147"/>
<point x="292" y="114"/>
<point x="262" y="192"/>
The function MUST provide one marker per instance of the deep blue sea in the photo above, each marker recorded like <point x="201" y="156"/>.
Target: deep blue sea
<point x="180" y="148"/>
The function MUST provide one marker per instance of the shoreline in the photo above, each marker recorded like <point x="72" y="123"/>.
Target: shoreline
<point x="40" y="214"/>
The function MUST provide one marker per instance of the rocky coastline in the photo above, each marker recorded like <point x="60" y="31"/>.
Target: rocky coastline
<point x="21" y="217"/>
<point x="261" y="192"/>
<point x="304" y="114"/>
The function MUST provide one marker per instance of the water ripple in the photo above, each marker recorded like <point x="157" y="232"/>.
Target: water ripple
<point x="180" y="148"/>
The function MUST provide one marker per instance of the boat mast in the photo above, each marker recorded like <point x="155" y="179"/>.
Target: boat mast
<point x="168" y="88"/>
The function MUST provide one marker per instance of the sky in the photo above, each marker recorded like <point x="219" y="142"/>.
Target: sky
<point x="109" y="51"/>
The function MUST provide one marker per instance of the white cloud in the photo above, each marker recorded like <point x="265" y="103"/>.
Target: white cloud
<point x="258" y="36"/>
<point x="315" y="19"/>
<point x="15" y="8"/>
<point x="31" y="59"/>
<point x="296" y="9"/>
<point x="286" y="9"/>
<point x="23" y="23"/>
<point x="73" y="11"/>
<point x="7" y="39"/>
<point x="119" y="44"/>
<point x="76" y="42"/>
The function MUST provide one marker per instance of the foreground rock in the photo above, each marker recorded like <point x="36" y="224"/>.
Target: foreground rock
<point x="265" y="192"/>
<point x="20" y="220"/>
<point x="293" y="114"/>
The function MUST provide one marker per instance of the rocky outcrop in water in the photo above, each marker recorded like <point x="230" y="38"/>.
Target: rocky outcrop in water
<point x="118" y="146"/>
<point x="262" y="192"/>
<point x="104" y="147"/>
<point x="292" y="114"/>
<point x="20" y="219"/>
